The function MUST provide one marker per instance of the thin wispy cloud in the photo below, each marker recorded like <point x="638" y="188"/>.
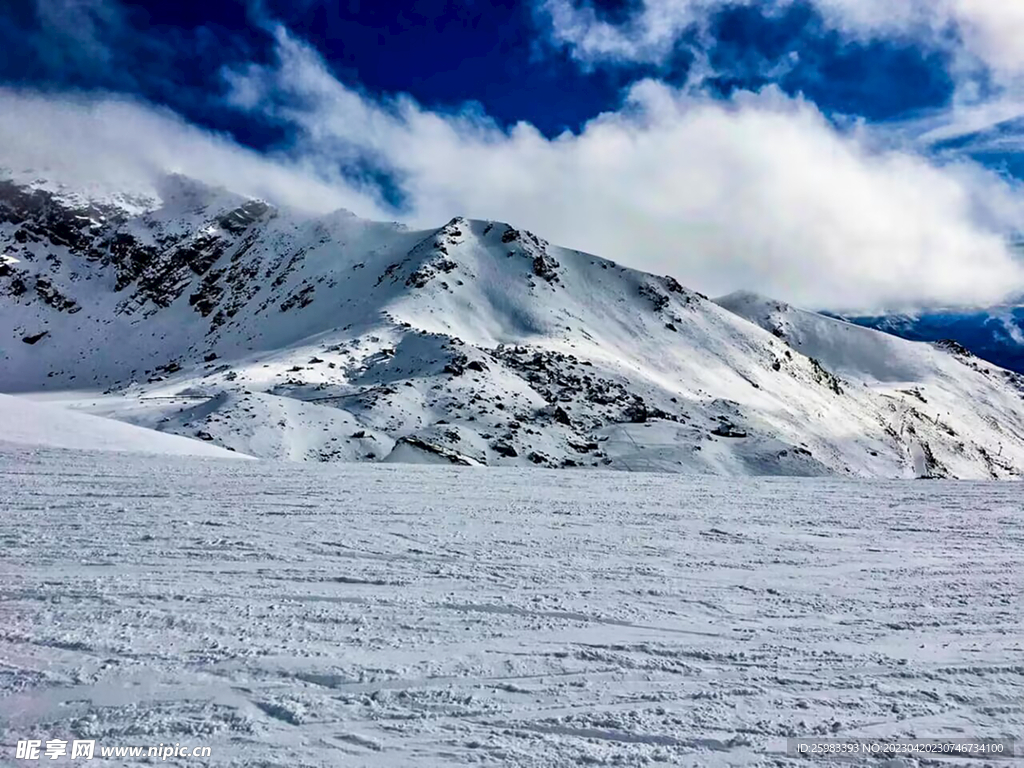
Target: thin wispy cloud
<point x="988" y="30"/>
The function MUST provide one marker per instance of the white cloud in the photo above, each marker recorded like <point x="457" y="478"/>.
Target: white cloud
<point x="760" y="192"/>
<point x="993" y="30"/>
<point x="108" y="143"/>
<point x="961" y="120"/>
<point x="988" y="30"/>
<point x="646" y="38"/>
<point x="1009" y="323"/>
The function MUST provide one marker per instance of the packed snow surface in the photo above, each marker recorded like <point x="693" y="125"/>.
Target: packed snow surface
<point x="395" y="615"/>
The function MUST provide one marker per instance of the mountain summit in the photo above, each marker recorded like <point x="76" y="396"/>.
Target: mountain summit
<point x="284" y="335"/>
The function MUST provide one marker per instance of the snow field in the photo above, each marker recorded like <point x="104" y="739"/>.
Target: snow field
<point x="390" y="615"/>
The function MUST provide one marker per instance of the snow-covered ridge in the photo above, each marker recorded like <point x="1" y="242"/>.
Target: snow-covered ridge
<point x="995" y="333"/>
<point x="26" y="423"/>
<point x="332" y="338"/>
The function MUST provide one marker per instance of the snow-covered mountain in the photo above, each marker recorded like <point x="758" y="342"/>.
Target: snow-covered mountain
<point x="283" y="335"/>
<point x="995" y="334"/>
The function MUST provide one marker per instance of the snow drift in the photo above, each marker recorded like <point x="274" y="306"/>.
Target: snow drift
<point x="44" y="426"/>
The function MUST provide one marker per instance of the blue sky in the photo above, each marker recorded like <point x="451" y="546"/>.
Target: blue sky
<point x="446" y="54"/>
<point x="828" y="151"/>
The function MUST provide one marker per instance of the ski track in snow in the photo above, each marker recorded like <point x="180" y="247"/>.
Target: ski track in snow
<point x="359" y="615"/>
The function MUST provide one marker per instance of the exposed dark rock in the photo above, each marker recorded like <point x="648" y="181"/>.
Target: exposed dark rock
<point x="656" y="297"/>
<point x="505" y="449"/>
<point x="825" y="377"/>
<point x="438" y="450"/>
<point x="428" y="271"/>
<point x="545" y="267"/>
<point x="672" y="284"/>
<point x="243" y="217"/>
<point x="298" y="300"/>
<point x="730" y="431"/>
<point x="206" y="298"/>
<point x="955" y="347"/>
<point x="172" y="367"/>
<point x="54" y="298"/>
<point x="389" y="272"/>
<point x="457" y="365"/>
<point x="636" y="412"/>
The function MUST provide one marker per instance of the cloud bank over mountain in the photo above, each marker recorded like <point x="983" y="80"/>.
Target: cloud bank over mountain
<point x="754" y="190"/>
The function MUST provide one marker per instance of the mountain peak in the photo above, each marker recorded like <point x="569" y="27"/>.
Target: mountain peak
<point x="182" y="192"/>
<point x="334" y="338"/>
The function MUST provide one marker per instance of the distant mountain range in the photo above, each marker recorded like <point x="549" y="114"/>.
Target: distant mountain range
<point x="282" y="335"/>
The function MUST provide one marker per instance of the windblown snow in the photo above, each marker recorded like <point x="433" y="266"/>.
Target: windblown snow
<point x="331" y="338"/>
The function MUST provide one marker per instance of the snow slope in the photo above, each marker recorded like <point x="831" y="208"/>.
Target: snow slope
<point x="35" y="424"/>
<point x="933" y="388"/>
<point x="396" y="617"/>
<point x="332" y="338"/>
<point x="845" y="348"/>
<point x="995" y="334"/>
